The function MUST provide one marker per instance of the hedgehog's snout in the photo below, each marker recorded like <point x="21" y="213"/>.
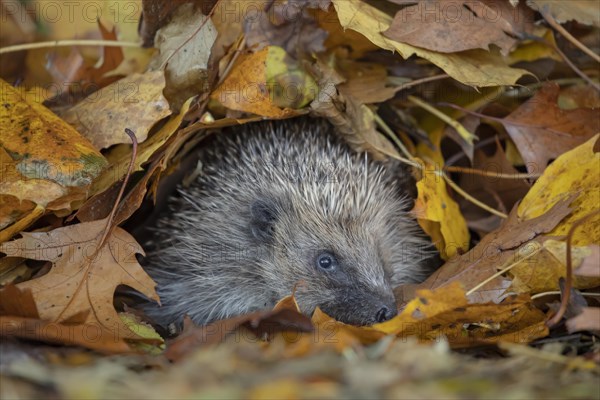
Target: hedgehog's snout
<point x="385" y="314"/>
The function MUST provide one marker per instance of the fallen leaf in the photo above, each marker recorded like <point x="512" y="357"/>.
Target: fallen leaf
<point x="497" y="250"/>
<point x="106" y="187"/>
<point x="135" y="102"/>
<point x="43" y="160"/>
<point x="542" y="131"/>
<point x="84" y="276"/>
<point x="285" y="317"/>
<point x="477" y="68"/>
<point x="354" y="120"/>
<point x="583" y="11"/>
<point x="87" y="335"/>
<point x="542" y="272"/>
<point x="75" y="69"/>
<point x="446" y="312"/>
<point x="184" y="46"/>
<point x="439" y="215"/>
<point x="289" y="85"/>
<point x="587" y="320"/>
<point x="17" y="302"/>
<point x="575" y="172"/>
<point x="288" y="25"/>
<point x="449" y="26"/>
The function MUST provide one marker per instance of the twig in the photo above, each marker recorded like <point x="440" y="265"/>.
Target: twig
<point x="503" y="271"/>
<point x="70" y="42"/>
<point x="471" y="198"/>
<point x="109" y="227"/>
<point x="552" y="22"/>
<point x="381" y="123"/>
<point x="111" y="216"/>
<point x="555" y="292"/>
<point x="462" y="131"/>
<point x="499" y="175"/>
<point x="416" y="82"/>
<point x="569" y="275"/>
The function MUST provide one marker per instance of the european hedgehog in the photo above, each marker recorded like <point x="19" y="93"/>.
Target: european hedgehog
<point x="283" y="206"/>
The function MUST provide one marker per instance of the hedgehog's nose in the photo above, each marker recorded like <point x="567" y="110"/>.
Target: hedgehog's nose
<point x="385" y="314"/>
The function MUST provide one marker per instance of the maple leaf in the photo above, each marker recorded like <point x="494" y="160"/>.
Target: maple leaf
<point x="85" y="273"/>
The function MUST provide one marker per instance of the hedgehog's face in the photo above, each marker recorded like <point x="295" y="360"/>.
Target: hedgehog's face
<point x="334" y="264"/>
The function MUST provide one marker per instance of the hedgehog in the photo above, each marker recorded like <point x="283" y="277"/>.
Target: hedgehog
<point x="281" y="207"/>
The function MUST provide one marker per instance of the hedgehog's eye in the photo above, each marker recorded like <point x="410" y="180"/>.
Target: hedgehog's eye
<point x="326" y="261"/>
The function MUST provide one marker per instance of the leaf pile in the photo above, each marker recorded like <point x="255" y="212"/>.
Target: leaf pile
<point x="493" y="104"/>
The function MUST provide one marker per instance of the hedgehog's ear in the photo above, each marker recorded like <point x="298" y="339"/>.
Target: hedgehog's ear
<point x="264" y="214"/>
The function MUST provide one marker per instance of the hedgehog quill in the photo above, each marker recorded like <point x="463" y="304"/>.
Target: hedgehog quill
<point x="284" y="205"/>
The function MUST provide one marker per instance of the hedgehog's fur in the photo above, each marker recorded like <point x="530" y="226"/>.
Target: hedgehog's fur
<point x="270" y="198"/>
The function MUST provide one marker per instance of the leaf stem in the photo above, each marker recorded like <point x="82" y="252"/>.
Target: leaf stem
<point x="553" y="23"/>
<point x="64" y="43"/>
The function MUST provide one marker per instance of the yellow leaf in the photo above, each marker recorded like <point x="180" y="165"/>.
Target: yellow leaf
<point x="439" y="215"/>
<point x="478" y="68"/>
<point x="245" y="88"/>
<point x="575" y="171"/>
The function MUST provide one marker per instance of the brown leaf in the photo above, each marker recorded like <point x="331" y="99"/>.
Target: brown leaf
<point x="75" y="69"/>
<point x="542" y="131"/>
<point x="88" y="335"/>
<point x="449" y="26"/>
<point x="286" y="24"/>
<point x="84" y="276"/>
<point x="17" y="303"/>
<point x="495" y="250"/>
<point x="587" y="320"/>
<point x="495" y="192"/>
<point x="184" y="47"/>
<point x="134" y="102"/>
<point x="284" y="317"/>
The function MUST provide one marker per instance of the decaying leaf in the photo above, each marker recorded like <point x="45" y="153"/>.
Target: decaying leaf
<point x="542" y="131"/>
<point x="448" y="26"/>
<point x="583" y="11"/>
<point x="135" y="102"/>
<point x="84" y="276"/>
<point x="44" y="160"/>
<point x="245" y="88"/>
<point x="474" y="67"/>
<point x="184" y="48"/>
<point x="497" y="250"/>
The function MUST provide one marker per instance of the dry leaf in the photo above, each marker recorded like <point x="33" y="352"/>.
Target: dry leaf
<point x="496" y="250"/>
<point x="449" y="26"/>
<point x="573" y="173"/>
<point x="84" y="277"/>
<point x="439" y="215"/>
<point x="583" y="11"/>
<point x="542" y="131"/>
<point x="44" y="160"/>
<point x="135" y="102"/>
<point x="245" y="88"/>
<point x="474" y="67"/>
<point x="184" y="46"/>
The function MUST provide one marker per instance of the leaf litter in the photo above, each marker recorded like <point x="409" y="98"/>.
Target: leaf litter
<point x="532" y="151"/>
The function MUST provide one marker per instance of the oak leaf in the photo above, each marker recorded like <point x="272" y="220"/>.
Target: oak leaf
<point x="81" y="284"/>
